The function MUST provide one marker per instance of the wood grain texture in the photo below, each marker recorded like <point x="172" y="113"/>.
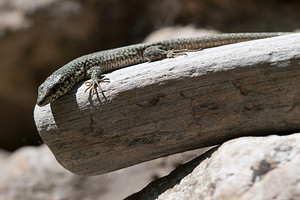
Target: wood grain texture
<point x="165" y="107"/>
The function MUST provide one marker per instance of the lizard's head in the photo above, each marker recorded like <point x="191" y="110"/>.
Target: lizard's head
<point x="54" y="86"/>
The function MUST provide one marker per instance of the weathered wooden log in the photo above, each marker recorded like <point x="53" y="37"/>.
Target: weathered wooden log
<point x="174" y="105"/>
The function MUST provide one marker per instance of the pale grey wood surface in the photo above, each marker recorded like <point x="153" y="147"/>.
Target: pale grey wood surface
<point x="170" y="106"/>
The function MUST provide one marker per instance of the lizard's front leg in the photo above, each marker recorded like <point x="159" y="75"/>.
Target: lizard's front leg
<point x="95" y="73"/>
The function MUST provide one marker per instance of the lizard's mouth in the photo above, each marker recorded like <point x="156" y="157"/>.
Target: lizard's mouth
<point x="41" y="102"/>
<point x="44" y="96"/>
<point x="49" y="90"/>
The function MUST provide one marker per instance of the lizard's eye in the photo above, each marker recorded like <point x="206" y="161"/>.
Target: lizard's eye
<point x="56" y="87"/>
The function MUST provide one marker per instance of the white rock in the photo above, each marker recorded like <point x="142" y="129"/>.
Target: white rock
<point x="246" y="168"/>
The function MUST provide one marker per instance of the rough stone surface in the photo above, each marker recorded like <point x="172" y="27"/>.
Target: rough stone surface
<point x="246" y="168"/>
<point x="32" y="173"/>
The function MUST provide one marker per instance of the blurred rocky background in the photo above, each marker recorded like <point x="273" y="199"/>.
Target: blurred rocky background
<point x="39" y="36"/>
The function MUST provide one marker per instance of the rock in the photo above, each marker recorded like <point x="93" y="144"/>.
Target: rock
<point x="201" y="99"/>
<point x="246" y="168"/>
<point x="32" y="173"/>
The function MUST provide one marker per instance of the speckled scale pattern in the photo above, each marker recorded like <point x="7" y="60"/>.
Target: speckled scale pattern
<point x="63" y="79"/>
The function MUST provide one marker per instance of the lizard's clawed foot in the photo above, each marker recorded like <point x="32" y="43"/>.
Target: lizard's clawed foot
<point x="173" y="54"/>
<point x="182" y="52"/>
<point x="159" y="52"/>
<point x="93" y="84"/>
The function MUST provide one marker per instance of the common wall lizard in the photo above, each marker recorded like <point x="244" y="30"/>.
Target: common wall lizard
<point x="95" y="64"/>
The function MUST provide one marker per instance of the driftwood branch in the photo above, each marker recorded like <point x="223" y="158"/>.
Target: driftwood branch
<point x="170" y="106"/>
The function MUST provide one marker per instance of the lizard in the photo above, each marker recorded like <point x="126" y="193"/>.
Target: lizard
<point x="94" y="65"/>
